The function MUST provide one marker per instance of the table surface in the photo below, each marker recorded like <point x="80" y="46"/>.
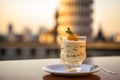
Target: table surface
<point x="32" y="69"/>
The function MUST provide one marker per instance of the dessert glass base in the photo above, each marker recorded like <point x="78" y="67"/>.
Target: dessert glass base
<point x="73" y="68"/>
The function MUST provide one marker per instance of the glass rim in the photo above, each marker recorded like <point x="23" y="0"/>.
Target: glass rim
<point x="80" y="37"/>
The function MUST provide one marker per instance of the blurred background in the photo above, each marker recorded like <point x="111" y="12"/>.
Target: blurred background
<point x="31" y="29"/>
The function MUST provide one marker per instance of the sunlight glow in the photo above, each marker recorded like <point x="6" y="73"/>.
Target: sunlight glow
<point x="36" y="13"/>
<point x="27" y="13"/>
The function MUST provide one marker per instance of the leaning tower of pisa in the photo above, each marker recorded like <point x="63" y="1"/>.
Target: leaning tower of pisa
<point x="76" y="14"/>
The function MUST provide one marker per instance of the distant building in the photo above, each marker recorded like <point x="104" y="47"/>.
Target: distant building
<point x="75" y="14"/>
<point x="55" y="33"/>
<point x="2" y="38"/>
<point x="19" y="37"/>
<point x="10" y="29"/>
<point x="27" y="35"/>
<point x="116" y="38"/>
<point x="46" y="37"/>
<point x="100" y="36"/>
<point x="10" y="36"/>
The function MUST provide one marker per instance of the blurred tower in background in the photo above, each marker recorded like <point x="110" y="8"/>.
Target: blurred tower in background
<point x="10" y="29"/>
<point x="100" y="36"/>
<point x="76" y="14"/>
<point x="10" y="36"/>
<point x="55" y="33"/>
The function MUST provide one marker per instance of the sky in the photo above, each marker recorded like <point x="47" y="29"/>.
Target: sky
<point x="36" y="13"/>
<point x="107" y="13"/>
<point x="27" y="13"/>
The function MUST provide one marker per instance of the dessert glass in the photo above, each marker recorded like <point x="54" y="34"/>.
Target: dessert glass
<point x="73" y="53"/>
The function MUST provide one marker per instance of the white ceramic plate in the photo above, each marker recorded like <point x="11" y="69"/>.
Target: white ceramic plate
<point x="59" y="69"/>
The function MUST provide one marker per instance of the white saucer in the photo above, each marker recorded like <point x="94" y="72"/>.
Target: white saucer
<point x="59" y="69"/>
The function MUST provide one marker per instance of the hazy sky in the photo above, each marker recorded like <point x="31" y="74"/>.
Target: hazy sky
<point x="27" y="13"/>
<point x="107" y="13"/>
<point x="36" y="13"/>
